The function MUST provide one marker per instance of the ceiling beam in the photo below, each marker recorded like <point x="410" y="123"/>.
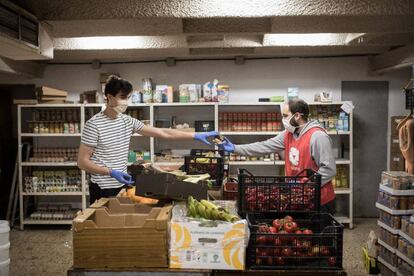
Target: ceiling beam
<point x="394" y="59"/>
<point x="25" y="68"/>
<point x="115" y="9"/>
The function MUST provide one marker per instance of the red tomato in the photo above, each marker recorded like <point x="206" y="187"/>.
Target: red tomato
<point x="290" y="227"/>
<point x="307" y="232"/>
<point x="288" y="219"/>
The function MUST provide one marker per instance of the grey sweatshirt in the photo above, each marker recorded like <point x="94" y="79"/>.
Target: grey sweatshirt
<point x="320" y="149"/>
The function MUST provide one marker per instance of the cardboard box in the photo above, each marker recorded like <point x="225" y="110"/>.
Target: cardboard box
<point x="395" y="120"/>
<point x="397" y="162"/>
<point x="395" y="145"/>
<point x="167" y="186"/>
<point x="116" y="234"/>
<point x="206" y="244"/>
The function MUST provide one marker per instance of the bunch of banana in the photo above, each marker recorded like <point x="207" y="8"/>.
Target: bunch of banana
<point x="208" y="210"/>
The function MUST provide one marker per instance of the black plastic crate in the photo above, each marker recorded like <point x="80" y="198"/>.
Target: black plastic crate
<point x="297" y="194"/>
<point x="204" y="126"/>
<point x="204" y="152"/>
<point x="199" y="164"/>
<point x="320" y="250"/>
<point x="409" y="98"/>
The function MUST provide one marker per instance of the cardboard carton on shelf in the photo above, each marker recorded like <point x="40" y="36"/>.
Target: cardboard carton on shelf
<point x="397" y="162"/>
<point x="117" y="234"/>
<point x="206" y="244"/>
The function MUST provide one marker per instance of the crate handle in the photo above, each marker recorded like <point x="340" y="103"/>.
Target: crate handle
<point x="244" y="171"/>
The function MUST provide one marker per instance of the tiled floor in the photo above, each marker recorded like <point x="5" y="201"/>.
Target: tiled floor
<point x="39" y="251"/>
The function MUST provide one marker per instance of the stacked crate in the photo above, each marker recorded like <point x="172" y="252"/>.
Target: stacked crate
<point x="263" y="199"/>
<point x="396" y="205"/>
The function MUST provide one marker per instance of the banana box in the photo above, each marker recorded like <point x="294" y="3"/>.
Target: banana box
<point x="206" y="244"/>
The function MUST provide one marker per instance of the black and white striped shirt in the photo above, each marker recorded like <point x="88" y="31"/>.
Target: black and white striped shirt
<point x="110" y="138"/>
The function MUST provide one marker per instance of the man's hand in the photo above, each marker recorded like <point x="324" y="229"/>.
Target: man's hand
<point x="202" y="136"/>
<point x="226" y="145"/>
<point x="122" y="177"/>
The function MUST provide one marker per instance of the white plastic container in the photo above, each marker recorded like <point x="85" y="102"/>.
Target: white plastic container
<point x="4" y="232"/>
<point x="4" y="252"/>
<point x="5" y="268"/>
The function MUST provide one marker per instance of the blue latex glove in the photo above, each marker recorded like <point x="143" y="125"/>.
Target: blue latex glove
<point x="122" y="177"/>
<point x="202" y="136"/>
<point x="226" y="145"/>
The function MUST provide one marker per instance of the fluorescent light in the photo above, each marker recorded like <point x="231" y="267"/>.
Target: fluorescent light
<point x="119" y="42"/>
<point x="312" y="39"/>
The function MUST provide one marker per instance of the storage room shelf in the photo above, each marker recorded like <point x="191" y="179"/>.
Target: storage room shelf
<point x="397" y="192"/>
<point x="343" y="219"/>
<point x="339" y="132"/>
<point x="405" y="258"/>
<point x="394" y="212"/>
<point x="390" y="248"/>
<point x="50" y="105"/>
<point x="251" y="104"/>
<point x="340" y="191"/>
<point x="51" y="134"/>
<point x="184" y="104"/>
<point x="53" y="194"/>
<point x="256" y="163"/>
<point x="388" y="228"/>
<point x="249" y="133"/>
<point x="390" y="267"/>
<point x="169" y="163"/>
<point x="49" y="164"/>
<point x="47" y="222"/>
<point x="405" y="236"/>
<point x="331" y="103"/>
<point x="279" y="162"/>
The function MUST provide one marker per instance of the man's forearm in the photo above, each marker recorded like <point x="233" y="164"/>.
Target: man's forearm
<point x="174" y="134"/>
<point x="272" y="145"/>
<point x="91" y="167"/>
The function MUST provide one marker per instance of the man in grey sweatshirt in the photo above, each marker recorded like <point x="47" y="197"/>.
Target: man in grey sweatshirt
<point x="306" y="145"/>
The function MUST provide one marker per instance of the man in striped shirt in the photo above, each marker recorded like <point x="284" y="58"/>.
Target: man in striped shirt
<point x="104" y="147"/>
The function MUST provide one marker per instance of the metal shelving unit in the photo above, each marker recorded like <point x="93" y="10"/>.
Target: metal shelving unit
<point x="152" y="117"/>
<point x="75" y="196"/>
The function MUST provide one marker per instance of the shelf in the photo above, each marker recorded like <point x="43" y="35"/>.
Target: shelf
<point x="339" y="133"/>
<point x="47" y="222"/>
<point x="343" y="219"/>
<point x="169" y="163"/>
<point x="49" y="164"/>
<point x="185" y="104"/>
<point x="341" y="191"/>
<point x="390" y="267"/>
<point x="331" y="103"/>
<point x="51" y="134"/>
<point x="252" y="104"/>
<point x="249" y="133"/>
<point x="396" y="192"/>
<point x="405" y="236"/>
<point x="255" y="163"/>
<point x="392" y="249"/>
<point x="393" y="212"/>
<point x="50" y="105"/>
<point x="388" y="228"/>
<point x="405" y="258"/>
<point x="279" y="162"/>
<point x="342" y="162"/>
<point x="53" y="194"/>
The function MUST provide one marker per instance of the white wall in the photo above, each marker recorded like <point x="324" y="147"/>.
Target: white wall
<point x="256" y="78"/>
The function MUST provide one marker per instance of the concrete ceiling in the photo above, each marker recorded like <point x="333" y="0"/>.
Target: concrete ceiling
<point x="216" y="28"/>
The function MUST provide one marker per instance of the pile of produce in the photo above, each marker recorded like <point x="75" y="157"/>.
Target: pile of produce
<point x="208" y="210"/>
<point x="285" y="242"/>
<point x="264" y="198"/>
<point x="138" y="199"/>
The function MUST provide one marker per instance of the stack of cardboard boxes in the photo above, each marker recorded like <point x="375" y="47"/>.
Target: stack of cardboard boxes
<point x="397" y="161"/>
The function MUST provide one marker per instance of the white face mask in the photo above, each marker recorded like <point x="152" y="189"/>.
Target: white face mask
<point x="287" y="125"/>
<point x="121" y="106"/>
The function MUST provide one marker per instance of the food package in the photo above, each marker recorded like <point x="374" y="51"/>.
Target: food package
<point x="207" y="92"/>
<point x="223" y="93"/>
<point x="397" y="180"/>
<point x="206" y="244"/>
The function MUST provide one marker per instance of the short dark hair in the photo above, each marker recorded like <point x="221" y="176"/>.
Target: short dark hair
<point x="299" y="106"/>
<point x="115" y="84"/>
